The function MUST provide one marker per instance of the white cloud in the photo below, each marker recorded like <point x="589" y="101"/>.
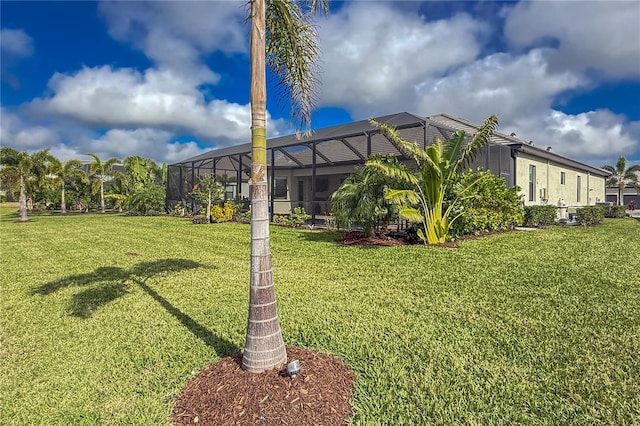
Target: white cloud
<point x="148" y="143"/>
<point x="596" y="35"/>
<point x="22" y="136"/>
<point x="161" y="99"/>
<point x="595" y="137"/>
<point x="178" y="35"/>
<point x="15" y="43"/>
<point x="503" y="84"/>
<point x="374" y="55"/>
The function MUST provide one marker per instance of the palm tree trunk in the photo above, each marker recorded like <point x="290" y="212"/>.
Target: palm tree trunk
<point x="264" y="346"/>
<point x="22" y="210"/>
<point x="63" y="205"/>
<point x="102" y="209"/>
<point x="620" y="196"/>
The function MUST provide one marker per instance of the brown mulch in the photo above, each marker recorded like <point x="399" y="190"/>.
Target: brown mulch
<point x="357" y="238"/>
<point x="224" y="394"/>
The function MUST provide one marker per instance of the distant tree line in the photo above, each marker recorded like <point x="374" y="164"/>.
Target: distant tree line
<point x="40" y="181"/>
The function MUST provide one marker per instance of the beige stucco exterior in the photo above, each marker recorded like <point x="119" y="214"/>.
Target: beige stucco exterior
<point x="580" y="187"/>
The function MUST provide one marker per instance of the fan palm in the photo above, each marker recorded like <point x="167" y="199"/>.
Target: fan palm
<point x="437" y="169"/>
<point x="100" y="171"/>
<point x="281" y="34"/>
<point x="63" y="173"/>
<point x="621" y="177"/>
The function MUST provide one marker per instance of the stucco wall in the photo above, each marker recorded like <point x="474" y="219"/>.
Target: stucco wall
<point x="549" y="188"/>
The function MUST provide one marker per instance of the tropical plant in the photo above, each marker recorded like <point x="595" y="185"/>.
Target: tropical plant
<point x="40" y="184"/>
<point x="100" y="171"/>
<point x="282" y="34"/>
<point x="361" y="198"/>
<point x="622" y="177"/>
<point x="16" y="169"/>
<point x="438" y="167"/>
<point x="63" y="173"/>
<point x="148" y="200"/>
<point x="490" y="205"/>
<point x="208" y="192"/>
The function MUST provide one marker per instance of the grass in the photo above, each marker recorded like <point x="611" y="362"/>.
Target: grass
<point x="105" y="318"/>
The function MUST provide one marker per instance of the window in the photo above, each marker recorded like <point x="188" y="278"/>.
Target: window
<point x="280" y="191"/>
<point x="563" y="178"/>
<point x="532" y="183"/>
<point x="578" y="178"/>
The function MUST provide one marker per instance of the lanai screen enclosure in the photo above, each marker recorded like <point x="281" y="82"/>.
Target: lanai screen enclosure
<point x="305" y="170"/>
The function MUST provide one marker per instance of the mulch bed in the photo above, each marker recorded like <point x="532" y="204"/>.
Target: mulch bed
<point x="357" y="238"/>
<point x="224" y="394"/>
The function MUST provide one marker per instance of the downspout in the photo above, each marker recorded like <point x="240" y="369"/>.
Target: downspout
<point x="273" y="186"/>
<point x="313" y="184"/>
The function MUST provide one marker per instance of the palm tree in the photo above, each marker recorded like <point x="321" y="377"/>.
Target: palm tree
<point x="100" y="171"/>
<point x="621" y="177"/>
<point x="15" y="172"/>
<point x="63" y="173"/>
<point x="282" y="34"/>
<point x="437" y="169"/>
<point x="361" y="199"/>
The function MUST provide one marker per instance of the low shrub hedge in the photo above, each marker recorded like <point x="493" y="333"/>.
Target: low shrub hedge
<point x="590" y="215"/>
<point x="616" y="212"/>
<point x="539" y="215"/>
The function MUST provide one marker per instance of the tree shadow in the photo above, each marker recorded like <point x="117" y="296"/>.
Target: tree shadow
<point x="320" y="236"/>
<point x="109" y="283"/>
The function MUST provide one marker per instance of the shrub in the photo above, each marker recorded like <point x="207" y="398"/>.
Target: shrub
<point x="539" y="215"/>
<point x="616" y="212"/>
<point x="223" y="213"/>
<point x="294" y="219"/>
<point x="178" y="209"/>
<point x="590" y="215"/>
<point x="147" y="199"/>
<point x="488" y="206"/>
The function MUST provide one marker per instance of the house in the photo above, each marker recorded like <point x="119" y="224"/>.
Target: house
<point x="304" y="170"/>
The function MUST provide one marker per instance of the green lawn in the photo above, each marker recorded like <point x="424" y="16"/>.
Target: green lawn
<point x="104" y="318"/>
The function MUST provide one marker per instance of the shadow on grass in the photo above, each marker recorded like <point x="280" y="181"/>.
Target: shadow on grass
<point x="320" y="236"/>
<point x="109" y="283"/>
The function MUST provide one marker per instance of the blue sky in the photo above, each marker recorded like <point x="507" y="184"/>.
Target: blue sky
<point x="169" y="80"/>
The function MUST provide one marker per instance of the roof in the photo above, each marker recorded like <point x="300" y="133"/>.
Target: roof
<point x="352" y="143"/>
<point x="342" y="131"/>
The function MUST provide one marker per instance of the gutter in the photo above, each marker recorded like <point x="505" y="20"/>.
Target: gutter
<point x="528" y="149"/>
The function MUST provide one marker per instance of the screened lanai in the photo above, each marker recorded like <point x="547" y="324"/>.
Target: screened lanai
<point x="304" y="170"/>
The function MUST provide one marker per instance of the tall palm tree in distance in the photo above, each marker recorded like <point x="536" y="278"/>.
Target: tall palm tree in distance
<point x="15" y="172"/>
<point x="281" y="33"/>
<point x="63" y="172"/>
<point x="621" y="177"/>
<point x="100" y="171"/>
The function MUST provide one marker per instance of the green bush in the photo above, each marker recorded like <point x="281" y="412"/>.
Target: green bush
<point x="590" y="215"/>
<point x="146" y="200"/>
<point x="488" y="206"/>
<point x="539" y="215"/>
<point x="616" y="212"/>
<point x="294" y="219"/>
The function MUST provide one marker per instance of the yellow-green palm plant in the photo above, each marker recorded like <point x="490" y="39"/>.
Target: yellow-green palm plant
<point x="100" y="171"/>
<point x="437" y="169"/>
<point x="63" y="172"/>
<point x="281" y="33"/>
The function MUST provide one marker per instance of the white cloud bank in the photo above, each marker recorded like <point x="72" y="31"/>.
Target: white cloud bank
<point x="377" y="59"/>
